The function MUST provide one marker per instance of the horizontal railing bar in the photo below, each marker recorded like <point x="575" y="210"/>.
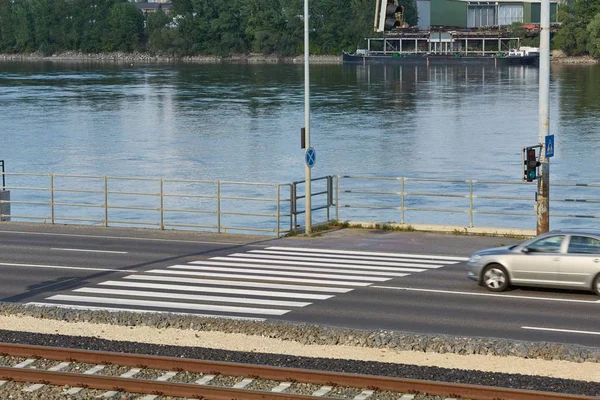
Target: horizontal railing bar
<point x="231" y="228"/>
<point x="370" y="207"/>
<point x="79" y="205"/>
<point x="190" y="225"/>
<point x="39" y="203"/>
<point x="382" y="178"/>
<point x="304" y="211"/>
<point x="418" y="194"/>
<point x="577" y="200"/>
<point x="115" y="221"/>
<point x="370" y="192"/>
<point x="595" y="185"/>
<point x="247" y="214"/>
<point x="449" y="210"/>
<point x="12" y="216"/>
<point x="185" y="210"/>
<point x="196" y="196"/>
<point x="78" y="219"/>
<point x="26" y="188"/>
<point x="503" y="213"/>
<point x="249" y="183"/>
<point x="111" y="207"/>
<point x="133" y="193"/>
<point x="128" y="178"/>
<point x="77" y="176"/>
<point x="575" y="216"/>
<point x="248" y="198"/>
<point x="465" y="181"/>
<point x="166" y="180"/>
<point x="502" y="198"/>
<point x="312" y="180"/>
<point x="22" y="174"/>
<point x="98" y="191"/>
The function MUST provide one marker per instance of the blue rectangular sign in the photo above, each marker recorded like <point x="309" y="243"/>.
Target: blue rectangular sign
<point x="549" y="146"/>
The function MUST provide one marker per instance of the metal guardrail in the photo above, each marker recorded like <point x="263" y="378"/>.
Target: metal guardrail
<point x="405" y="196"/>
<point x="111" y="201"/>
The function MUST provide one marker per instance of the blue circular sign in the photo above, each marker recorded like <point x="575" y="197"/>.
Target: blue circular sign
<point x="310" y="157"/>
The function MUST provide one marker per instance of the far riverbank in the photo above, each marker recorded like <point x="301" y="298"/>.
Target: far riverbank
<point x="557" y="57"/>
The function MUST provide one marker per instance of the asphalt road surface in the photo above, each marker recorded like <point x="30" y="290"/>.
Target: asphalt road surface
<point x="406" y="281"/>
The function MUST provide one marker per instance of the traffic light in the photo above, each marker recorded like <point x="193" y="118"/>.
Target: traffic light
<point x="531" y="164"/>
<point x="391" y="15"/>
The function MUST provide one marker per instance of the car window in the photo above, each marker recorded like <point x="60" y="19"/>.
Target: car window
<point x="584" y="244"/>
<point x="549" y="244"/>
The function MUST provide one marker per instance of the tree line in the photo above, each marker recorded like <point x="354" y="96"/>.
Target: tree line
<point x="224" y="27"/>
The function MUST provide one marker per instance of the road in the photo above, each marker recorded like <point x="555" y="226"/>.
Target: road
<point x="406" y="281"/>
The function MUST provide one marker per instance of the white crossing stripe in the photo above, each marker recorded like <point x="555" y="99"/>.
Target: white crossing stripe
<point x="168" y="304"/>
<point x="165" y="377"/>
<point x="163" y="295"/>
<point x="90" y="371"/>
<point x="320" y="264"/>
<point x="323" y="391"/>
<point x="293" y="259"/>
<point x="342" y="257"/>
<point x="364" y="395"/>
<point x="205" y="379"/>
<point x="133" y="310"/>
<point x="129" y="374"/>
<point x="258" y="277"/>
<point x="275" y="272"/>
<point x="282" y="386"/>
<point x="264" y="293"/>
<point x="335" y="268"/>
<point x="56" y="368"/>
<point x="217" y="282"/>
<point x="243" y="383"/>
<point x="407" y="397"/>
<point x="23" y="364"/>
<point x="369" y="253"/>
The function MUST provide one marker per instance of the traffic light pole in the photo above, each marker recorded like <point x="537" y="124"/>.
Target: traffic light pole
<point x="543" y="196"/>
<point x="307" y="174"/>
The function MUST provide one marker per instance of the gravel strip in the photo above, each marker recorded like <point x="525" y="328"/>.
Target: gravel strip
<point x="6" y="361"/>
<point x="516" y="381"/>
<point x="262" y="384"/>
<point x="320" y="335"/>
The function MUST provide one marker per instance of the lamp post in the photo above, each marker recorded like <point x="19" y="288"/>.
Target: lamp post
<point x="307" y="174"/>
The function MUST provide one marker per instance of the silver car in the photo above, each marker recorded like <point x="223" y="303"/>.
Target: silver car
<point x="568" y="258"/>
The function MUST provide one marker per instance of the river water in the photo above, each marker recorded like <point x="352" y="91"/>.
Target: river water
<point x="242" y="122"/>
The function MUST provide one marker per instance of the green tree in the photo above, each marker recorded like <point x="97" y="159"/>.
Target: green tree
<point x="411" y="13"/>
<point x="575" y="16"/>
<point x="7" y="37"/>
<point x="593" y="30"/>
<point x="22" y="19"/>
<point x="125" y="28"/>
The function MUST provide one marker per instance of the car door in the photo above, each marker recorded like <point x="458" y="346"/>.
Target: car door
<point x="581" y="262"/>
<point x="539" y="261"/>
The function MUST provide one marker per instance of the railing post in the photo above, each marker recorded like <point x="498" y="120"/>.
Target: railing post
<point x="291" y="207"/>
<point x="219" y="206"/>
<point x="471" y="203"/>
<point x="52" y="198"/>
<point x="278" y="209"/>
<point x="402" y="200"/>
<point x="295" y="203"/>
<point x="105" y="201"/>
<point x="162" y="205"/>
<point x="337" y="198"/>
<point x="329" y="194"/>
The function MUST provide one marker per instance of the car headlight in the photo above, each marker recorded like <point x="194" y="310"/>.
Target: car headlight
<point x="474" y="258"/>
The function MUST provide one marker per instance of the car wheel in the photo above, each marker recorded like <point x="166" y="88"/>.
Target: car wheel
<point x="495" y="278"/>
<point x="596" y="285"/>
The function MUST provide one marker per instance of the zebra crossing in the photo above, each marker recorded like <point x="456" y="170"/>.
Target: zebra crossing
<point x="256" y="284"/>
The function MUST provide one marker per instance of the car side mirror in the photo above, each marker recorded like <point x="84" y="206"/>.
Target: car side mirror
<point x="526" y="250"/>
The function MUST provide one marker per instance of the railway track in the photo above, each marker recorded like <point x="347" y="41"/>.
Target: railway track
<point x="81" y="370"/>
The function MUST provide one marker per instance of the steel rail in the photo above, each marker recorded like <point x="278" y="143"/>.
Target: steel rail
<point x="234" y="369"/>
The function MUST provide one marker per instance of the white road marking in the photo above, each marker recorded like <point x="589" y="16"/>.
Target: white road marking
<point x="23" y="364"/>
<point x="281" y="387"/>
<point x="369" y="253"/>
<point x="89" y="251"/>
<point x="163" y="378"/>
<point x="243" y="383"/>
<point x="217" y="282"/>
<point x="507" y="296"/>
<point x="560" y="330"/>
<point x="314" y="264"/>
<point x="264" y="293"/>
<point x="323" y="391"/>
<point x="65" y="267"/>
<point x="258" y="277"/>
<point x="345" y="263"/>
<point x="365" y="394"/>
<point x="205" y="379"/>
<point x="194" y="297"/>
<point x="340" y="256"/>
<point x="112" y="309"/>
<point x="168" y="304"/>
<point x="129" y="374"/>
<point x="280" y="272"/>
<point x="336" y="269"/>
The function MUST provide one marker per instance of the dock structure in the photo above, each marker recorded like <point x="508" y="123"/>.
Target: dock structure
<point x="463" y="43"/>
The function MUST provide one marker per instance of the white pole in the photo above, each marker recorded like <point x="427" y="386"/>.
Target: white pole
<point x="307" y="175"/>
<point x="543" y="204"/>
